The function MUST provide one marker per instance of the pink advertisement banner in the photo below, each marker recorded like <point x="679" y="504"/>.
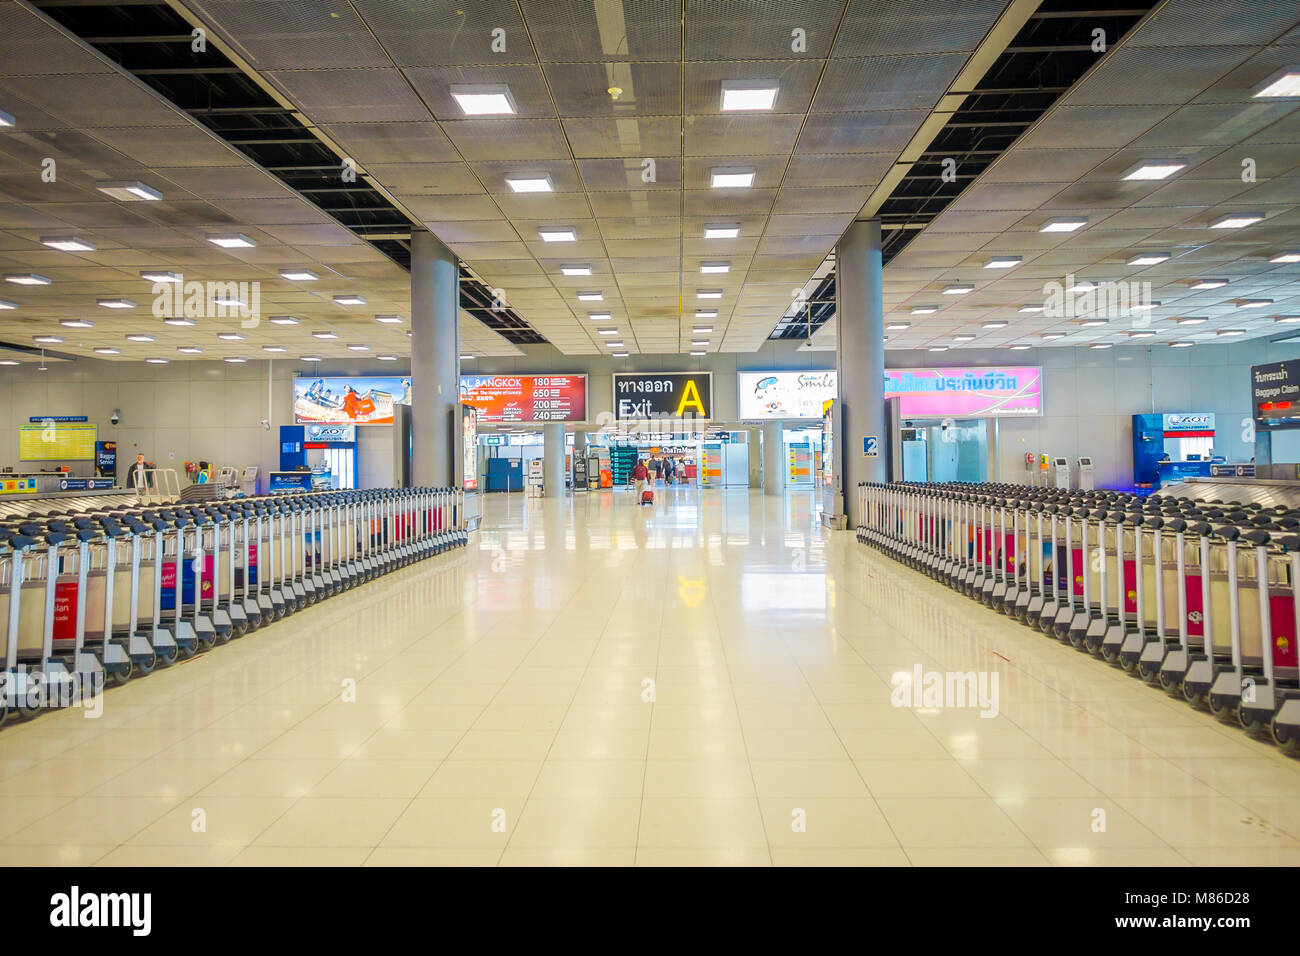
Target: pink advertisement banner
<point x="966" y="392"/>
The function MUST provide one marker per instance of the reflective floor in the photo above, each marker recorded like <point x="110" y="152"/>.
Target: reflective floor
<point x="707" y="681"/>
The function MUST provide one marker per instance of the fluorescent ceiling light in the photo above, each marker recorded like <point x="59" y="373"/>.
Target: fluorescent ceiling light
<point x="708" y="293"/>
<point x="1253" y="303"/>
<point x="76" y="323"/>
<point x="130" y="191"/>
<point x="1082" y="285"/>
<point x="180" y="321"/>
<point x="298" y="275"/>
<point x="68" y="243"/>
<point x="1063" y="225"/>
<point x="1143" y="306"/>
<point x="6" y="304"/>
<point x="938" y="348"/>
<point x="959" y="289"/>
<point x="1200" y="285"/>
<point x="700" y="344"/>
<point x="116" y="303"/>
<point x="155" y="361"/>
<point x="1002" y="262"/>
<point x="235" y="360"/>
<point x="272" y="348"/>
<point x="1280" y="259"/>
<point x="1192" y="320"/>
<point x="999" y="324"/>
<point x="710" y="267"/>
<point x="466" y="358"/>
<point x="157" y="275"/>
<point x="558" y="234"/>
<point x="591" y="297"/>
<point x="721" y="231"/>
<point x="349" y="298"/>
<point x="748" y="95"/>
<point x="964" y="337"/>
<point x="613" y="345"/>
<point x="898" y="326"/>
<point x="309" y="358"/>
<point x="1053" y="335"/>
<point x="576" y="270"/>
<point x="26" y="278"/>
<point x="7" y="119"/>
<point x="283" y="320"/>
<point x="618" y="355"/>
<point x="706" y="313"/>
<point x="1287" y="319"/>
<point x="925" y="309"/>
<point x="1181" y="345"/>
<point x="358" y="348"/>
<point x="484" y="100"/>
<point x="386" y="358"/>
<point x="1019" y="348"/>
<point x="1154" y="169"/>
<point x="1284" y="84"/>
<point x="1237" y="220"/>
<point x="599" y="316"/>
<point x="1142" y="334"/>
<point x="1099" y="345"/>
<point x="47" y="339"/>
<point x="138" y="337"/>
<point x="389" y="319"/>
<point x="1148" y="258"/>
<point x="702" y="330"/>
<point x="230" y="336"/>
<point x="731" y="177"/>
<point x="1093" y="323"/>
<point x="233" y="240"/>
<point x="325" y="335"/>
<point x="189" y="349"/>
<point x="228" y="302"/>
<point x="105" y="350"/>
<point x="1230" y="332"/>
<point x="607" y="331"/>
<point x="534" y="183"/>
<point x="1032" y="308"/>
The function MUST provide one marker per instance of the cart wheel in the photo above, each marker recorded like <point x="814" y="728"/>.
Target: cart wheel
<point x="1191" y="696"/>
<point x="146" y="663"/>
<point x="207" y="643"/>
<point x="1282" y="737"/>
<point x="169" y="656"/>
<point x="1076" y="639"/>
<point x="1249" y="724"/>
<point x="1109" y="654"/>
<point x="1221" y="711"/>
<point x="239" y="630"/>
<point x="187" y="652"/>
<point x="1168" y="683"/>
<point x="1148" y="672"/>
<point x="1128" y="666"/>
<point x="122" y="673"/>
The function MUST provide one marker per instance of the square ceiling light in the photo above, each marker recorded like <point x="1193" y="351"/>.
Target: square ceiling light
<point x="1201" y="285"/>
<point x="558" y="234"/>
<point x="600" y="316"/>
<point x="5" y="304"/>
<point x="1154" y="169"/>
<point x="1192" y="320"/>
<point x="702" y="330"/>
<point x="155" y="361"/>
<point x="1148" y="258"/>
<point x="1030" y="309"/>
<point x="68" y="243"/>
<point x="1284" y="84"/>
<point x="298" y="275"/>
<point x="1019" y="348"/>
<point x="116" y="303"/>
<point x="309" y="358"/>
<point x="230" y="336"/>
<point x="273" y="348"/>
<point x="325" y="335"/>
<point x="591" y="296"/>
<point x="1100" y="345"/>
<point x="1230" y="332"/>
<point x="27" y="278"/>
<point x="748" y="95"/>
<point x="964" y="337"/>
<point x="7" y="119"/>
<point x="897" y="326"/>
<point x="959" y="289"/>
<point x="575" y="269"/>
<point x="618" y="354"/>
<point x="139" y="337"/>
<point x="721" y="231"/>
<point x="106" y="350"/>
<point x="1287" y="319"/>
<point x="1282" y="258"/>
<point x="1253" y="303"/>
<point x="715" y="267"/>
<point x="231" y="240"/>
<point x="706" y="313"/>
<point x="159" y="275"/>
<point x="997" y="324"/>
<point x="358" y="348"/>
<point x="350" y="298"/>
<point x="487" y="99"/>
<point x="530" y="183"/>
<point x="76" y="323"/>
<point x="1094" y="323"/>
<point x="179" y="321"/>
<point x="46" y="339"/>
<point x="708" y="293"/>
<point x="228" y="302"/>
<point x="189" y="349"/>
<point x="1064" y="224"/>
<point x="1237" y="220"/>
<point x="235" y="360"/>
<point x="1049" y="336"/>
<point x="731" y="177"/>
<point x="607" y="331"/>
<point x="130" y="191"/>
<point x="924" y="309"/>
<point x="388" y="319"/>
<point x="1142" y="334"/>
<point x="1002" y="262"/>
<point x="283" y="320"/>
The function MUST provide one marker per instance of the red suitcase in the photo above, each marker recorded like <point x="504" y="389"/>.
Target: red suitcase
<point x="647" y="497"/>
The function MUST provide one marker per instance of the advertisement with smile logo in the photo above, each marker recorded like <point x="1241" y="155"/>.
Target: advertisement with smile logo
<point x="639" y="396"/>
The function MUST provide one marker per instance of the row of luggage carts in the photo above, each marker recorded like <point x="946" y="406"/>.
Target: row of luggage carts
<point x="1197" y="596"/>
<point x="96" y="591"/>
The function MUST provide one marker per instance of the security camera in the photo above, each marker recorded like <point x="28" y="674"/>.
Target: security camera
<point x="115" y="417"/>
<point x="266" y="425"/>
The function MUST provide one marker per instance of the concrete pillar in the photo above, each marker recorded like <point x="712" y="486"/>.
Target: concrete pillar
<point x="553" y="460"/>
<point x="860" y="356"/>
<point x="435" y="363"/>
<point x="755" y="456"/>
<point x="774" y="463"/>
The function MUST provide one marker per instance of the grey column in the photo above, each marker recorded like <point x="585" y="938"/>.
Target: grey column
<point x="435" y="363"/>
<point x="860" y="357"/>
<point x="553" y="460"/>
<point x="774" y="465"/>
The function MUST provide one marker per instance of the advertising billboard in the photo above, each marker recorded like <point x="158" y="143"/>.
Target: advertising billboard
<point x="349" y="400"/>
<point x="1004" y="391"/>
<point x="1275" y="393"/>
<point x="784" y="394"/>
<point x="526" y="398"/>
<point x="639" y="396"/>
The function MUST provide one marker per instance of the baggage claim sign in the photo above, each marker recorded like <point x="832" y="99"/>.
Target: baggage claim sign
<point x="645" y="396"/>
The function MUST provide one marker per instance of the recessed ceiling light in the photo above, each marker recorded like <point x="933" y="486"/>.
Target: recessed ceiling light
<point x="721" y="231"/>
<point x="1081" y="285"/>
<point x="138" y="337"/>
<point x="1064" y="225"/>
<point x="231" y="240"/>
<point x="898" y="326"/>
<point x="1144" y="306"/>
<point x="155" y="361"/>
<point x="1287" y="319"/>
<point x="76" y="323"/>
<point x="1230" y="332"/>
<point x="189" y="349"/>
<point x="618" y="355"/>
<point x="576" y="270"/>
<point x="1052" y="335"/>
<point x="325" y="335"/>
<point x="708" y="293"/>
<point x="607" y="331"/>
<point x="1099" y="345"/>
<point x="230" y="336"/>
<point x="964" y="337"/>
<point x="1094" y="323"/>
<point x="26" y="278"/>
<point x="130" y="191"/>
<point x="228" y="302"/>
<point x="702" y="330"/>
<point x="534" y="183"/>
<point x="715" y="267"/>
<point x="1200" y="285"/>
<point x="1280" y="259"/>
<point x="1237" y="220"/>
<point x="731" y="177"/>
<point x="484" y="99"/>
<point x="1142" y="334"/>
<point x="349" y="298"/>
<point x="1002" y="262"/>
<point x="1154" y="169"/>
<point x="699" y="344"/>
<point x="1148" y="258"/>
<point x="925" y="309"/>
<point x="744" y="95"/>
<point x="591" y="297"/>
<point x="389" y="319"/>
<point x="309" y="358"/>
<point x="298" y="275"/>
<point x="157" y="275"/>
<point x="938" y="348"/>
<point x="116" y="303"/>
<point x="6" y="304"/>
<point x="1181" y="345"/>
<point x="613" y="345"/>
<point x="358" y="348"/>
<point x="1284" y="84"/>
<point x="272" y="348"/>
<point x="706" y="313"/>
<point x="386" y="358"/>
<point x="1192" y="320"/>
<point x="7" y="119"/>
<point x="998" y="324"/>
<point x="47" y="339"/>
<point x="599" y="316"/>
<point x="179" y="321"/>
<point x="68" y="243"/>
<point x="283" y="320"/>
<point x="558" y="234"/>
<point x="959" y="289"/>
<point x="235" y="360"/>
<point x="466" y="358"/>
<point x="1019" y="348"/>
<point x="1032" y="308"/>
<point x="1253" y="303"/>
<point x="105" y="350"/>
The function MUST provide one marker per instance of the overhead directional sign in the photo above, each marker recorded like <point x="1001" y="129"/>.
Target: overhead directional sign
<point x="639" y="396"/>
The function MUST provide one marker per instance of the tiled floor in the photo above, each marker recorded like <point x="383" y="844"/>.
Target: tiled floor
<point x="704" y="682"/>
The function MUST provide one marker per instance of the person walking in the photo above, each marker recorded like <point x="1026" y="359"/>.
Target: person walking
<point x="639" y="474"/>
<point x="670" y="470"/>
<point x="654" y="471"/>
